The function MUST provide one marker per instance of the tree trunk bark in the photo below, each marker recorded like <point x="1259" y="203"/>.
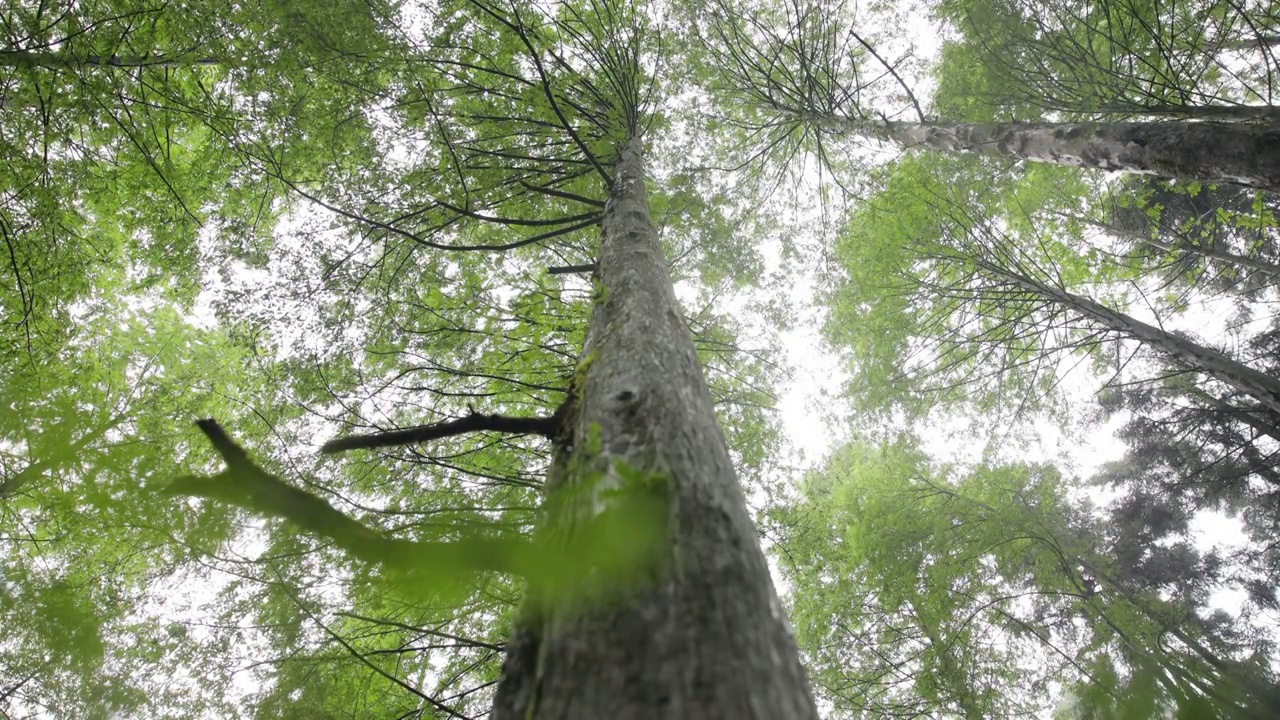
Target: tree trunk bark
<point x="1260" y="386"/>
<point x="1212" y="152"/>
<point x="703" y="636"/>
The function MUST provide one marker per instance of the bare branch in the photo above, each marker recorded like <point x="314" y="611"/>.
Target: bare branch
<point x="571" y="269"/>
<point x="475" y="422"/>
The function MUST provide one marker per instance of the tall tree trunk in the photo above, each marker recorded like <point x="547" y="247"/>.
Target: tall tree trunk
<point x="703" y="636"/>
<point x="1234" y="113"/>
<point x="1215" y="152"/>
<point x="1258" y="385"/>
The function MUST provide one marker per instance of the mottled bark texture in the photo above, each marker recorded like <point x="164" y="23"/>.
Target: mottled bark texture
<point x="1258" y="385"/>
<point x="703" y="636"/>
<point x="1209" y="151"/>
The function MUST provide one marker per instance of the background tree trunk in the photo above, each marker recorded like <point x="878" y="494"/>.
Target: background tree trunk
<point x="1233" y="113"/>
<point x="23" y="58"/>
<point x="1260" y="386"/>
<point x="1206" y="250"/>
<point x="1215" y="152"/>
<point x="705" y="636"/>
<point x="1250" y="43"/>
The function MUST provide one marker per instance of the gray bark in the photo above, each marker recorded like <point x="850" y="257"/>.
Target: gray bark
<point x="1213" y="152"/>
<point x="1258" y="385"/>
<point x="703" y="636"/>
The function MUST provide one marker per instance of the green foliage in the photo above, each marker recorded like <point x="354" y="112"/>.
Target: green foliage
<point x="919" y="302"/>
<point x="84" y="540"/>
<point x="256" y="213"/>
<point x="970" y="90"/>
<point x="1111" y="59"/>
<point x="1217" y="239"/>
<point x="969" y="592"/>
<point x="899" y="570"/>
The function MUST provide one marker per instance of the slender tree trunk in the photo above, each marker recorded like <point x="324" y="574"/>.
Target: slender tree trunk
<point x="955" y="681"/>
<point x="23" y="58"/>
<point x="703" y="636"/>
<point x="1243" y="415"/>
<point x="1209" y="251"/>
<point x="1260" y="386"/>
<point x="1215" y="152"/>
<point x="1250" y="43"/>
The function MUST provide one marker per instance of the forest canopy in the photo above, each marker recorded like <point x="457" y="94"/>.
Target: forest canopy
<point x="579" y="359"/>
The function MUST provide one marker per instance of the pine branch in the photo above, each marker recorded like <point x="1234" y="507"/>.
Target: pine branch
<point x="475" y="422"/>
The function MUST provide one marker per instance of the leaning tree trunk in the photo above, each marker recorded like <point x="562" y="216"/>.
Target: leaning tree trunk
<point x="1258" y="385"/>
<point x="1212" y="251"/>
<point x="1214" y="152"/>
<point x="700" y="633"/>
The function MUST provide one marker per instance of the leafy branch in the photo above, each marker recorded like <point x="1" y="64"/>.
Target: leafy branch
<point x="246" y="485"/>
